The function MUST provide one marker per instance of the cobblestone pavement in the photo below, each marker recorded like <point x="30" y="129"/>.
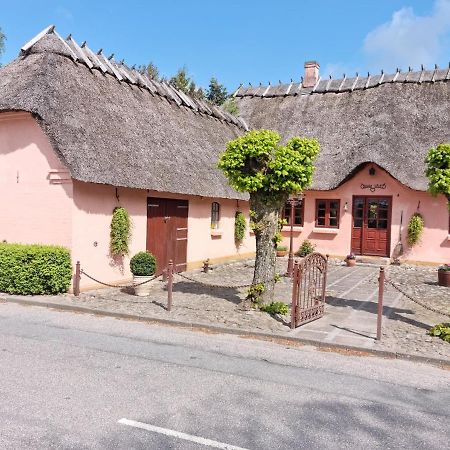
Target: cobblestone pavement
<point x="350" y="313"/>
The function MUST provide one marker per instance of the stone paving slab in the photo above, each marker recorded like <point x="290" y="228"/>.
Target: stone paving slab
<point x="350" y="313"/>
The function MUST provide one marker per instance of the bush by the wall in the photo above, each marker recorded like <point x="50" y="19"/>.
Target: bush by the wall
<point x="34" y="269"/>
<point x="120" y="232"/>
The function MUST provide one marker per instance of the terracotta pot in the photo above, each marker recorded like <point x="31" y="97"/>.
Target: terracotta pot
<point x="282" y="253"/>
<point x="444" y="278"/>
<point x="350" y="262"/>
<point x="142" y="290"/>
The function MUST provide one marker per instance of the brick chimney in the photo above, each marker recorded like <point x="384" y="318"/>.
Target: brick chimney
<point x="311" y="74"/>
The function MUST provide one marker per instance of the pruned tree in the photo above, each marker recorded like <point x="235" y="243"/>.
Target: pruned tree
<point x="217" y="93"/>
<point x="438" y="171"/>
<point x="256" y="163"/>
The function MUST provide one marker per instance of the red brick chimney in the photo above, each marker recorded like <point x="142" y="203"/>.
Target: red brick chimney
<point x="311" y="74"/>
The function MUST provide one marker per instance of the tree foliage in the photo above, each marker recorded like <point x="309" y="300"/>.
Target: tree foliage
<point x="151" y="70"/>
<point x="231" y="106"/>
<point x="2" y="42"/>
<point x="217" y="93"/>
<point x="182" y="81"/>
<point x="256" y="163"/>
<point x="438" y="170"/>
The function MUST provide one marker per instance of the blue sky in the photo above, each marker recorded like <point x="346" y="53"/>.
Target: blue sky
<point x="245" y="41"/>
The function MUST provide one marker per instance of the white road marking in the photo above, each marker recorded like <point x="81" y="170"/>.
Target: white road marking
<point x="179" y="435"/>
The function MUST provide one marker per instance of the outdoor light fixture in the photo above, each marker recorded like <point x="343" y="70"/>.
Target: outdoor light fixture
<point x="346" y="206"/>
<point x="372" y="171"/>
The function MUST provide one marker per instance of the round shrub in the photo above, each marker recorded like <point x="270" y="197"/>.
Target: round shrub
<point x="306" y="248"/>
<point x="143" y="264"/>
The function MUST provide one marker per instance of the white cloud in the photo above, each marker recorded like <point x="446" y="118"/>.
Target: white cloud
<point x="408" y="39"/>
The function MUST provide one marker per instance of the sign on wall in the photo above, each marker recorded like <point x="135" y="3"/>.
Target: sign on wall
<point x="373" y="187"/>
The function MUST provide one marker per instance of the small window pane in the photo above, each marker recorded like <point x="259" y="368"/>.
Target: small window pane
<point x="321" y="204"/>
<point x="334" y="204"/>
<point x="321" y="221"/>
<point x="372" y="223"/>
<point x="333" y="222"/>
<point x="357" y="223"/>
<point x="382" y="224"/>
<point x="215" y="215"/>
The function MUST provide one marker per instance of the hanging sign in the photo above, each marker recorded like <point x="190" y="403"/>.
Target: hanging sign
<point x="373" y="187"/>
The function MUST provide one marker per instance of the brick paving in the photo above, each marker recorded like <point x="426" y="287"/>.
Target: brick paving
<point x="350" y="313"/>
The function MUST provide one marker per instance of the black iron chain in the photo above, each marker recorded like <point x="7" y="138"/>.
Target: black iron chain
<point x="211" y="284"/>
<point x="82" y="272"/>
<point x="410" y="297"/>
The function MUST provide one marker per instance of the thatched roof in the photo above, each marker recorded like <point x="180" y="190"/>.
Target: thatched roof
<point x="111" y="125"/>
<point x="392" y="120"/>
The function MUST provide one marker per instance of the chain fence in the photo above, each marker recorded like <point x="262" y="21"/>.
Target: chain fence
<point x="213" y="285"/>
<point x="410" y="297"/>
<point x="82" y="272"/>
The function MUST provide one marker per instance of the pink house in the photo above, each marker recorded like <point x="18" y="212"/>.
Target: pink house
<point x="374" y="133"/>
<point x="81" y="134"/>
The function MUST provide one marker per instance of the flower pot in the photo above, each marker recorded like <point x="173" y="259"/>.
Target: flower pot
<point x="350" y="262"/>
<point x="444" y="278"/>
<point x="141" y="290"/>
<point x="281" y="253"/>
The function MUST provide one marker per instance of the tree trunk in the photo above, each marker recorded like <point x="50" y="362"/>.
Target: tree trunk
<point x="265" y="219"/>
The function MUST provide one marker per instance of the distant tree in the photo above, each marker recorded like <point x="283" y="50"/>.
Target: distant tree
<point x="217" y="93"/>
<point x="182" y="81"/>
<point x="231" y="106"/>
<point x="150" y="70"/>
<point x="2" y="42"/>
<point x="438" y="171"/>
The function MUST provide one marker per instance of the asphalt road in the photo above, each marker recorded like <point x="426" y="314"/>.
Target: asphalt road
<point x="77" y="381"/>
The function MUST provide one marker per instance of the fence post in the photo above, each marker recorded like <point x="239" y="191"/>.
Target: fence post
<point x="294" y="295"/>
<point x="380" y="302"/>
<point x="76" y="281"/>
<point x="169" y="285"/>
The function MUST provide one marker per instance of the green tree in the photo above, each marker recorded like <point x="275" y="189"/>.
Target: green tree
<point x="150" y="70"/>
<point x="217" y="93"/>
<point x="438" y="170"/>
<point x="231" y="106"/>
<point x="256" y="163"/>
<point x="182" y="81"/>
<point x="2" y="42"/>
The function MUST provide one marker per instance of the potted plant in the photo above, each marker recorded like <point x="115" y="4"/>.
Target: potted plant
<point x="444" y="275"/>
<point x="281" y="250"/>
<point x="350" y="260"/>
<point x="143" y="267"/>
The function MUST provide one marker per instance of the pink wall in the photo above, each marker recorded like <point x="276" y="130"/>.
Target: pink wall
<point x="36" y="189"/>
<point x="435" y="243"/>
<point x="92" y="212"/>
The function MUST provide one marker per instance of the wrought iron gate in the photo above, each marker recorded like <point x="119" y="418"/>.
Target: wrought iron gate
<point x="308" y="290"/>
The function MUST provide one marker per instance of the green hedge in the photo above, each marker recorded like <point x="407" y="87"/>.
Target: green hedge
<point x="34" y="269"/>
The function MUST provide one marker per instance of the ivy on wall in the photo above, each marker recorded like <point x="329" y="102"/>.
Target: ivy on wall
<point x="120" y="232"/>
<point x="415" y="229"/>
<point x="240" y="226"/>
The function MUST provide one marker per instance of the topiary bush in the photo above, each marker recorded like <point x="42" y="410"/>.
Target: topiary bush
<point x="120" y="232"/>
<point x="34" y="269"/>
<point x="240" y="226"/>
<point x="415" y="228"/>
<point x="143" y="264"/>
<point x="306" y="248"/>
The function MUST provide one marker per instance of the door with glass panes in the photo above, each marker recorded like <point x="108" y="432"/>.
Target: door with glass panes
<point x="371" y="225"/>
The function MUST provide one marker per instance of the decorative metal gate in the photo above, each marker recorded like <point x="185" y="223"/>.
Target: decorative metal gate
<point x="308" y="290"/>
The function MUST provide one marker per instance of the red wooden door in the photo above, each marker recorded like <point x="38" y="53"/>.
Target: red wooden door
<point x="371" y="226"/>
<point x="167" y="229"/>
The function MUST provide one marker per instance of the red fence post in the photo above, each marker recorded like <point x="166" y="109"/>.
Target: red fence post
<point x="76" y="281"/>
<point x="294" y="296"/>
<point x="380" y="302"/>
<point x="169" y="285"/>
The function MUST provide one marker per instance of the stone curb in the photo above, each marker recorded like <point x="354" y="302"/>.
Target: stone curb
<point x="237" y="332"/>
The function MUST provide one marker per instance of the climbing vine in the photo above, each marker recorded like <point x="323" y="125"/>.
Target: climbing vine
<point x="415" y="229"/>
<point x="120" y="232"/>
<point x="240" y="226"/>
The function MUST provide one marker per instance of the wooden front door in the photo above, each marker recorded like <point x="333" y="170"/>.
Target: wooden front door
<point x="371" y="226"/>
<point x="167" y="231"/>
